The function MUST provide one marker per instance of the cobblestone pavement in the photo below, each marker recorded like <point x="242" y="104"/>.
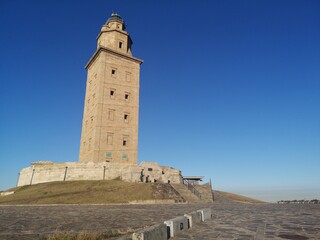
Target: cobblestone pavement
<point x="33" y="222"/>
<point x="231" y="220"/>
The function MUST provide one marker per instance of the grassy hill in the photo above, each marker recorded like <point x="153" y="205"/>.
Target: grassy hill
<point x="236" y="197"/>
<point x="80" y="192"/>
<point x="100" y="192"/>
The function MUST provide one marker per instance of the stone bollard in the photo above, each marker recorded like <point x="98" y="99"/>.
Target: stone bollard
<point x="176" y="225"/>
<point x="155" y="232"/>
<point x="205" y="214"/>
<point x="193" y="218"/>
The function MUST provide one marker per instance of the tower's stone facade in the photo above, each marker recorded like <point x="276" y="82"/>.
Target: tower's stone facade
<point x="111" y="108"/>
<point x="109" y="137"/>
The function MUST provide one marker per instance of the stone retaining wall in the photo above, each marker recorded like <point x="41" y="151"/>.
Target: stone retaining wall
<point x="47" y="171"/>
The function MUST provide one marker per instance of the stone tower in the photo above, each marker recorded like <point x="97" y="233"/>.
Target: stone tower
<point x="111" y="108"/>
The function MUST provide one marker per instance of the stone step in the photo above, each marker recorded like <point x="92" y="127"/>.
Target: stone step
<point x="186" y="193"/>
<point x="166" y="191"/>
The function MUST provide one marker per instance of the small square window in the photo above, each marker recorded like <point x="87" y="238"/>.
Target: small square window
<point x="124" y="143"/>
<point x="108" y="154"/>
<point x="124" y="155"/>
<point x="111" y="92"/>
<point x="120" y="44"/>
<point x="113" y="71"/>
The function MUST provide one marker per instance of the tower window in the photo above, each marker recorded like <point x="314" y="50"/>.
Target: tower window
<point x="126" y="117"/>
<point x="125" y="141"/>
<point x="113" y="72"/>
<point x="112" y="93"/>
<point x="120" y="44"/>
<point x="109" y="154"/>
<point x="126" y="96"/>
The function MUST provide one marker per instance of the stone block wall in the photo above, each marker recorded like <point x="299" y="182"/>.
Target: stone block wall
<point x="47" y="171"/>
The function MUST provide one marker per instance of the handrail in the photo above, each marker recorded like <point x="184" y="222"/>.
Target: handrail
<point x="183" y="200"/>
<point x="212" y="193"/>
<point x="192" y="188"/>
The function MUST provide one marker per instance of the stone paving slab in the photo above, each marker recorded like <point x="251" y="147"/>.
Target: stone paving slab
<point x="32" y="222"/>
<point x="267" y="221"/>
<point x="231" y="220"/>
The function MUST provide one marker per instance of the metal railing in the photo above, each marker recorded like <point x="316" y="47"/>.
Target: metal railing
<point x="177" y="193"/>
<point x="192" y="188"/>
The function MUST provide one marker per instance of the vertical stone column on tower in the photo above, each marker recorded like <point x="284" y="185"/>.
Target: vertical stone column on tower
<point x="111" y="107"/>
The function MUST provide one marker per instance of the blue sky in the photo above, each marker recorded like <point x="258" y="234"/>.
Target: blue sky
<point x="229" y="89"/>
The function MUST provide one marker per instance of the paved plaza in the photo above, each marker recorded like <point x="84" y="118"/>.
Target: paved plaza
<point x="32" y="222"/>
<point x="231" y="220"/>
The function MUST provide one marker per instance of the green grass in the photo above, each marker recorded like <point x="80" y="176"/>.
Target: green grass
<point x="79" y="192"/>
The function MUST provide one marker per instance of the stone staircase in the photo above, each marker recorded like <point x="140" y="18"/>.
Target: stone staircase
<point x="186" y="193"/>
<point x="206" y="192"/>
<point x="166" y="191"/>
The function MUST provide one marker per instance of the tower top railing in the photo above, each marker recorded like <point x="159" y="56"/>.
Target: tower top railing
<point x="116" y="17"/>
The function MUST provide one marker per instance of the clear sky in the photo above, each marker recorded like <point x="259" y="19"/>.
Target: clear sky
<point x="229" y="89"/>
